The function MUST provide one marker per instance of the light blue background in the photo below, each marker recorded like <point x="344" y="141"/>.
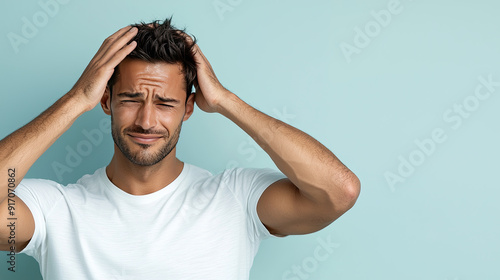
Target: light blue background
<point x="285" y="58"/>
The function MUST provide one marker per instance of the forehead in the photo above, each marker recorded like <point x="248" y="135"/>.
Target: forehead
<point x="143" y="76"/>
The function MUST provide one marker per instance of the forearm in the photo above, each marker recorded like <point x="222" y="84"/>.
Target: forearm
<point x="23" y="147"/>
<point x="309" y="165"/>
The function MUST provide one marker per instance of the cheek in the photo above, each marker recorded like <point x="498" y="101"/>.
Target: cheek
<point x="123" y="116"/>
<point x="169" y="119"/>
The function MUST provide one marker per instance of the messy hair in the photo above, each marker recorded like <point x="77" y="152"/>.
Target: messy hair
<point x="162" y="42"/>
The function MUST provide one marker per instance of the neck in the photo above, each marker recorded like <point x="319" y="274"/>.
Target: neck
<point x="140" y="180"/>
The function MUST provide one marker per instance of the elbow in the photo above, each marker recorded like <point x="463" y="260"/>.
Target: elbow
<point x="342" y="198"/>
<point x="352" y="191"/>
<point x="347" y="194"/>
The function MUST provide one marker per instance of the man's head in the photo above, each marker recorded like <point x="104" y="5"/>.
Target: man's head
<point x="162" y="42"/>
<point x="149" y="94"/>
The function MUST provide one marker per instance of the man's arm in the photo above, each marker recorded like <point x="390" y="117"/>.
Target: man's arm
<point x="22" y="148"/>
<point x="318" y="188"/>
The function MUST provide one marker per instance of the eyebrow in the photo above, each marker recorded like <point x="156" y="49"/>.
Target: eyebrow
<point x="140" y="94"/>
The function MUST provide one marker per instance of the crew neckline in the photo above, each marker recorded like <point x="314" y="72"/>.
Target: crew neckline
<point x="146" y="197"/>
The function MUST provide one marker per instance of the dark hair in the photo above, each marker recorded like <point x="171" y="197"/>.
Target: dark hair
<point x="162" y="42"/>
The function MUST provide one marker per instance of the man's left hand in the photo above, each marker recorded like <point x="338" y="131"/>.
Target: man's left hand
<point x="209" y="91"/>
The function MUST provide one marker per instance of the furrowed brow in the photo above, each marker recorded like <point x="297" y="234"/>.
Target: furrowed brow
<point x="140" y="94"/>
<point x="167" y="99"/>
<point x="130" y="94"/>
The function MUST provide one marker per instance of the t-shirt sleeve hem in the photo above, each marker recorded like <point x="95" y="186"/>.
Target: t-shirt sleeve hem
<point x="24" y="195"/>
<point x="258" y="193"/>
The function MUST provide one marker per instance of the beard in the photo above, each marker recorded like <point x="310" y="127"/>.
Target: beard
<point x="144" y="157"/>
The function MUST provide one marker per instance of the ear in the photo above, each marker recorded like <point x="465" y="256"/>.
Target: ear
<point x="106" y="101"/>
<point x="189" y="107"/>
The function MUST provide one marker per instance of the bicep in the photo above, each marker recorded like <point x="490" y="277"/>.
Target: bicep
<point x="20" y="229"/>
<point x="285" y="211"/>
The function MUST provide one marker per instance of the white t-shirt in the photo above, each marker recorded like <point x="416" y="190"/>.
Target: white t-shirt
<point x="198" y="227"/>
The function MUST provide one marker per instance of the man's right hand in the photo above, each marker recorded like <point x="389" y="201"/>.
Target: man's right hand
<point x="91" y="85"/>
<point x="37" y="136"/>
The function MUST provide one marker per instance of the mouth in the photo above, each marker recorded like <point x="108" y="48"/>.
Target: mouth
<point x="144" y="138"/>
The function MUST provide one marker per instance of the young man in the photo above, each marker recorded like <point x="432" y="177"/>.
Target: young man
<point x="147" y="215"/>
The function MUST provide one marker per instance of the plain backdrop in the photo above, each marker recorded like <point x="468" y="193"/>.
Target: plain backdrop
<point x="405" y="93"/>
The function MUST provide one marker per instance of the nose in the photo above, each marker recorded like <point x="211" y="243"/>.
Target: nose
<point x="146" y="116"/>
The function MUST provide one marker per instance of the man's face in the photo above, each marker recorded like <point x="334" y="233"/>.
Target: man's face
<point x="147" y="110"/>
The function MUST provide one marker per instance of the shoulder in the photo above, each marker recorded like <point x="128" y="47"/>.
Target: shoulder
<point x="230" y="176"/>
<point x="195" y="171"/>
<point x="245" y="182"/>
<point x="44" y="188"/>
<point x="90" y="180"/>
<point x="250" y="175"/>
<point x="38" y="186"/>
<point x="40" y="195"/>
<point x="193" y="175"/>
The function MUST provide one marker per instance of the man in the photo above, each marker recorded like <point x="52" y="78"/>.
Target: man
<point x="147" y="215"/>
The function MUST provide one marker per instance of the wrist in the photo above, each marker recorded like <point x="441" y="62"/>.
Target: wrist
<point x="227" y="101"/>
<point x="77" y="102"/>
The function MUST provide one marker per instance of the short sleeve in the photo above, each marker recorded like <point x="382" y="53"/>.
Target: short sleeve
<point x="40" y="196"/>
<point x="248" y="184"/>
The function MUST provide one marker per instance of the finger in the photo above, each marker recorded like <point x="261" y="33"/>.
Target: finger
<point x="204" y="64"/>
<point x="106" y="41"/>
<point x="188" y="38"/>
<point x="116" y="41"/>
<point x="120" y="55"/>
<point x="200" y="57"/>
<point x="196" y="85"/>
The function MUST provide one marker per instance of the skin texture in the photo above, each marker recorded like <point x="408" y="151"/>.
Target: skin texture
<point x="148" y="108"/>
<point x="318" y="188"/>
<point x="23" y="147"/>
